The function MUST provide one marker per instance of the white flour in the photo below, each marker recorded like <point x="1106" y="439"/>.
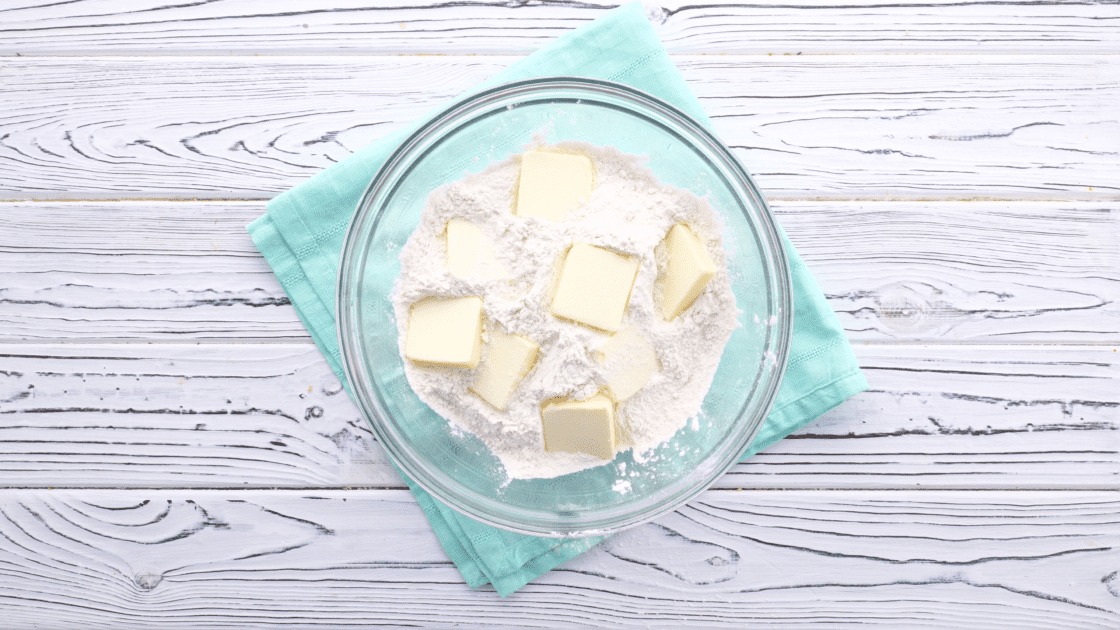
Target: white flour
<point x="629" y="211"/>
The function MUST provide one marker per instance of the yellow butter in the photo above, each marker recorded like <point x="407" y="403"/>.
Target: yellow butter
<point x="688" y="271"/>
<point x="552" y="183"/>
<point x="594" y="286"/>
<point x="580" y="426"/>
<point x="445" y="331"/>
<point x="629" y="360"/>
<point x="464" y="239"/>
<point x="508" y="359"/>
<point x="470" y="254"/>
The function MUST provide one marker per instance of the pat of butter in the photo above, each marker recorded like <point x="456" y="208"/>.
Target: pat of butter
<point x="508" y="359"/>
<point x="688" y="271"/>
<point x="469" y="253"/>
<point x="445" y="331"/>
<point x="594" y="287"/>
<point x="630" y="361"/>
<point x="580" y="426"/>
<point x="552" y="183"/>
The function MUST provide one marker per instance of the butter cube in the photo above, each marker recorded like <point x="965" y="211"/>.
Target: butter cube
<point x="594" y="287"/>
<point x="580" y="426"/>
<point x="688" y="271"/>
<point x="630" y="361"/>
<point x="445" y="331"/>
<point x="463" y="242"/>
<point x="551" y="183"/>
<point x="469" y="254"/>
<point x="508" y="359"/>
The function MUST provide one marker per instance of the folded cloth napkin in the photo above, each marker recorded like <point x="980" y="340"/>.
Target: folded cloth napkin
<point x="301" y="238"/>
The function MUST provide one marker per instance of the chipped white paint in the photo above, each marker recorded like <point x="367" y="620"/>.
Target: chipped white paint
<point x="842" y="127"/>
<point x="918" y="271"/>
<point x="360" y="27"/>
<point x="337" y="559"/>
<point x="272" y="415"/>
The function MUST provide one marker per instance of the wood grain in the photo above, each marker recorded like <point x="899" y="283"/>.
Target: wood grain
<point x="907" y="271"/>
<point x="857" y="127"/>
<point x="234" y="559"/>
<point x="360" y="27"/>
<point x="179" y="415"/>
<point x="946" y="416"/>
<point x="273" y="415"/>
<point x="138" y="270"/>
<point x="971" y="271"/>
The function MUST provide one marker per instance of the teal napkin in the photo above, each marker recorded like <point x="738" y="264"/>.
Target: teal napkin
<point x="301" y="238"/>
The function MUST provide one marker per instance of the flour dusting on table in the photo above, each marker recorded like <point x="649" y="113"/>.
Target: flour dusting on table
<point x="630" y="212"/>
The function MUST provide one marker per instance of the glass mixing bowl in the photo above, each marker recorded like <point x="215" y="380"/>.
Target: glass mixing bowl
<point x="455" y="466"/>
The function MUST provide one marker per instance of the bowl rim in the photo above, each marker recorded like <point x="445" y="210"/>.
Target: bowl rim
<point x="352" y="368"/>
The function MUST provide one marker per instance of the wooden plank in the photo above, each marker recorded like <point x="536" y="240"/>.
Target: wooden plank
<point x="916" y="271"/>
<point x="273" y="415"/>
<point x="138" y="270"/>
<point x="172" y="415"/>
<point x="238" y="559"/>
<point x="949" y="416"/>
<point x="973" y="271"/>
<point x="724" y="26"/>
<point x="840" y="127"/>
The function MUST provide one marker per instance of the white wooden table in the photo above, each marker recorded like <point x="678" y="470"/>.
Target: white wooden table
<point x="176" y="454"/>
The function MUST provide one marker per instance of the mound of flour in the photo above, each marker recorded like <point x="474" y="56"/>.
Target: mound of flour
<point x="629" y="211"/>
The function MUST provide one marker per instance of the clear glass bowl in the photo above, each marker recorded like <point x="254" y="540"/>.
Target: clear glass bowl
<point x="457" y="468"/>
